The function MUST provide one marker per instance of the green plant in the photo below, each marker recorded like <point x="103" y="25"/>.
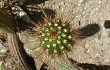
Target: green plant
<point x="56" y="38"/>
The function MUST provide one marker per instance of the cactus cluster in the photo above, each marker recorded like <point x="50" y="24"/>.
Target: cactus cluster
<point x="56" y="38"/>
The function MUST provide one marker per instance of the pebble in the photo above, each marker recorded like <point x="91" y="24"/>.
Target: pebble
<point x="3" y="49"/>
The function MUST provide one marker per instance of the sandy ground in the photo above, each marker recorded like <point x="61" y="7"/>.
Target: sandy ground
<point x="94" y="49"/>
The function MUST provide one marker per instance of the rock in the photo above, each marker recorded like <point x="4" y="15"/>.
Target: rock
<point x="3" y="50"/>
<point x="94" y="49"/>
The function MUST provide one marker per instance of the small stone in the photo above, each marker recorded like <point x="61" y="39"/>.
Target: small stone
<point x="3" y="50"/>
<point x="22" y="13"/>
<point x="13" y="8"/>
<point x="1" y="4"/>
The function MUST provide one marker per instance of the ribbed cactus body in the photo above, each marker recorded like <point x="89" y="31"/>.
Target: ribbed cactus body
<point x="56" y="38"/>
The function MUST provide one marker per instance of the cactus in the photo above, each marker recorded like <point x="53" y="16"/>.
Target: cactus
<point x="56" y="38"/>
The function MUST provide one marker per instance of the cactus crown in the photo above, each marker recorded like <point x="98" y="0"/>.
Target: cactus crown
<point x="56" y="38"/>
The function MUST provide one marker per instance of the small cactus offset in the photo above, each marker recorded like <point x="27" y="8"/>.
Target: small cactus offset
<point x="56" y="38"/>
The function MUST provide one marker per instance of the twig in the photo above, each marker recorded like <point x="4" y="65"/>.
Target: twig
<point x="15" y="50"/>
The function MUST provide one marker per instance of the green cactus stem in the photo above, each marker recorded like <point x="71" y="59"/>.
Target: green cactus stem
<point x="56" y="38"/>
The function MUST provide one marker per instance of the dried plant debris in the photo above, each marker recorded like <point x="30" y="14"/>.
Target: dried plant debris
<point x="28" y="59"/>
<point x="86" y="66"/>
<point x="3" y="51"/>
<point x="12" y="7"/>
<point x="6" y="21"/>
<point x="11" y="63"/>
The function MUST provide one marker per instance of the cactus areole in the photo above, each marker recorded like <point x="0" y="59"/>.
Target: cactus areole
<point x="56" y="38"/>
